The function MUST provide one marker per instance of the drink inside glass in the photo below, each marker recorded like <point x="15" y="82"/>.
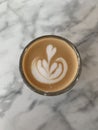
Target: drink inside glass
<point x="50" y="65"/>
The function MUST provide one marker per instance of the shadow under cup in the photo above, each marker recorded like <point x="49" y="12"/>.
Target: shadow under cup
<point x="50" y="65"/>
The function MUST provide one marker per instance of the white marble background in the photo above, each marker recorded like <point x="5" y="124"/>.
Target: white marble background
<point x="20" y="22"/>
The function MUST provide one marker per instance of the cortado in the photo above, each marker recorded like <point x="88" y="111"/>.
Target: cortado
<point x="50" y="65"/>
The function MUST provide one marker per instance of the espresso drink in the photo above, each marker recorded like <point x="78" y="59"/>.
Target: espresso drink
<point x="49" y="64"/>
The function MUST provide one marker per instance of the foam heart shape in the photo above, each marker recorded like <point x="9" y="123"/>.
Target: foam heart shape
<point x="50" y="52"/>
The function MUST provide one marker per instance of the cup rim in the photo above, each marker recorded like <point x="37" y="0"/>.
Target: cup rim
<point x="69" y="87"/>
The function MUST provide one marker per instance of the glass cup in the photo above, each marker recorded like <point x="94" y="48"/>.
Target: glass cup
<point x="35" y="89"/>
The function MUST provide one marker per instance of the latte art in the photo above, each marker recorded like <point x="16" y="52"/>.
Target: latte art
<point x="47" y="73"/>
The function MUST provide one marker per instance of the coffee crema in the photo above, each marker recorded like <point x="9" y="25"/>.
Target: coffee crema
<point x="50" y="64"/>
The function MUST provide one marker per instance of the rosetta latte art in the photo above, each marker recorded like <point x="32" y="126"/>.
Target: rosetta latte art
<point x="47" y="73"/>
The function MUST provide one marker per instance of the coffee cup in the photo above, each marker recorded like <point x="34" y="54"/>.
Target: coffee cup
<point x="50" y="65"/>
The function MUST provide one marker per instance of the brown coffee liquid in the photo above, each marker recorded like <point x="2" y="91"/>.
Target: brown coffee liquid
<point x="40" y="50"/>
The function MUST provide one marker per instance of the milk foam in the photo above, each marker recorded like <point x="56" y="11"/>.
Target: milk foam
<point x="46" y="73"/>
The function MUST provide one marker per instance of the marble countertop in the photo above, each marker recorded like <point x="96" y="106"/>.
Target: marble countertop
<point x="20" y="22"/>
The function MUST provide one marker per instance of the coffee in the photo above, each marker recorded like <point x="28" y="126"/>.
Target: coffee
<point x="50" y="64"/>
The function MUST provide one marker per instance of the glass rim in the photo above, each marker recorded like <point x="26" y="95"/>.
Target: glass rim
<point x="71" y="85"/>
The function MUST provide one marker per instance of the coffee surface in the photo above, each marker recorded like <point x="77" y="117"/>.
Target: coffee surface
<point x="49" y="64"/>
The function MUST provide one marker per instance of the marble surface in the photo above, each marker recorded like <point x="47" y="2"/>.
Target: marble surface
<point x="20" y="22"/>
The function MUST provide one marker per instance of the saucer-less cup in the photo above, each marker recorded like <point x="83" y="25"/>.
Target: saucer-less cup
<point x="37" y="76"/>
